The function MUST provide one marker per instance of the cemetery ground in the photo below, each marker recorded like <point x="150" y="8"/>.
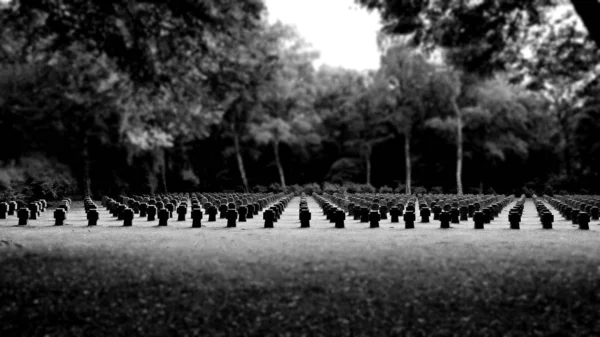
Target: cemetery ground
<point x="144" y="280"/>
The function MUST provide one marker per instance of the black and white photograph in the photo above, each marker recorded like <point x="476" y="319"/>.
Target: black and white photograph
<point x="302" y="168"/>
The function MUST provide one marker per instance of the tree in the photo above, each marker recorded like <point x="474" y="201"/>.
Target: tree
<point x="286" y="101"/>
<point x="561" y="63"/>
<point x="155" y="43"/>
<point x="366" y="120"/>
<point x="474" y="34"/>
<point x="407" y="76"/>
<point x="335" y="90"/>
<point x="448" y="85"/>
<point x="166" y="56"/>
<point x="588" y="12"/>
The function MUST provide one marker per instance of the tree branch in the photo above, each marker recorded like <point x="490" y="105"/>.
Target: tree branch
<point x="588" y="11"/>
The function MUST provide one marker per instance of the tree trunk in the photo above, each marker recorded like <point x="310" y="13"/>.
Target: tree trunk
<point x="278" y="163"/>
<point x="240" y="161"/>
<point x="459" y="149"/>
<point x="368" y="151"/>
<point x="407" y="162"/>
<point x="87" y="180"/>
<point x="163" y="170"/>
<point x="563" y="122"/>
<point x="567" y="156"/>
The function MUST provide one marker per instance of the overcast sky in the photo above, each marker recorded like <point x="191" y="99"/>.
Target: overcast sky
<point x="344" y="34"/>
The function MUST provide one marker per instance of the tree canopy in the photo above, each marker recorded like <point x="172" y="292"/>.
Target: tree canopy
<point x="187" y="95"/>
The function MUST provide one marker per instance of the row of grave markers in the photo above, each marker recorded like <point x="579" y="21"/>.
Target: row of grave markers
<point x="373" y="208"/>
<point x="233" y="208"/>
<point x="578" y="209"/>
<point x="33" y="210"/>
<point x="239" y="207"/>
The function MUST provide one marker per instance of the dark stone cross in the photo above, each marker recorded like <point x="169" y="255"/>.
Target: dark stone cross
<point x="357" y="212"/>
<point x="59" y="216"/>
<point x="12" y="208"/>
<point x="151" y="212"/>
<point x="401" y="209"/>
<point x="23" y="215"/>
<point x="196" y="217"/>
<point x="594" y="211"/>
<point x="269" y="217"/>
<point x="364" y="214"/>
<point x="128" y="215"/>
<point x="454" y="215"/>
<point x="250" y="214"/>
<point x="92" y="217"/>
<point x="120" y="210"/>
<point x="223" y="211"/>
<point x="479" y="219"/>
<point x="33" y="211"/>
<point x="547" y="220"/>
<point x="464" y="213"/>
<point x="437" y="210"/>
<point x="374" y="218"/>
<point x="409" y="219"/>
<point x="584" y="220"/>
<point x="351" y="209"/>
<point x="243" y="212"/>
<point x="575" y="216"/>
<point x="445" y="218"/>
<point x="425" y="214"/>
<point x="487" y="215"/>
<point x="163" y="217"/>
<point x="3" y="210"/>
<point x="394" y="214"/>
<point x="212" y="213"/>
<point x="171" y="208"/>
<point x="383" y="211"/>
<point x="340" y="216"/>
<point x="514" y="218"/>
<point x="232" y="217"/>
<point x="305" y="218"/>
<point x="181" y="213"/>
<point x="143" y="209"/>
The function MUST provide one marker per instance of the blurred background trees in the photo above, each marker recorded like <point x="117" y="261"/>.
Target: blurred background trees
<point x="141" y="96"/>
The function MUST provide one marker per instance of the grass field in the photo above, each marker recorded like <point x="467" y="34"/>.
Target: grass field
<point x="249" y="281"/>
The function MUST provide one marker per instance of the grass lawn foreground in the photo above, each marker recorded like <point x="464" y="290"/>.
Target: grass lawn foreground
<point x="249" y="281"/>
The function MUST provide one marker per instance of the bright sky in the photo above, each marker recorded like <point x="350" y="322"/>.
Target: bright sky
<point x="345" y="35"/>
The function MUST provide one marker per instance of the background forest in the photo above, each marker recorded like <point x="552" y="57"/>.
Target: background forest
<point x="142" y="96"/>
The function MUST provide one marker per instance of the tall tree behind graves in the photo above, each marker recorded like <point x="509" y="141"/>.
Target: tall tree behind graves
<point x="335" y="90"/>
<point x="250" y="66"/>
<point x="408" y="77"/>
<point x="366" y="119"/>
<point x="561" y="62"/>
<point x="286" y="101"/>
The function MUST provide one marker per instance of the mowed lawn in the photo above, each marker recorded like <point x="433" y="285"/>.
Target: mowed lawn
<point x="249" y="281"/>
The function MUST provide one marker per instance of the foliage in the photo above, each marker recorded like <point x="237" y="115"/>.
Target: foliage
<point x="333" y="188"/>
<point x="474" y="35"/>
<point x="311" y="189"/>
<point x="205" y="95"/>
<point x="36" y="177"/>
<point x="419" y="190"/>
<point x="385" y="189"/>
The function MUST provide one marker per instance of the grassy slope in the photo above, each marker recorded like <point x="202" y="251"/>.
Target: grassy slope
<point x="153" y="281"/>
